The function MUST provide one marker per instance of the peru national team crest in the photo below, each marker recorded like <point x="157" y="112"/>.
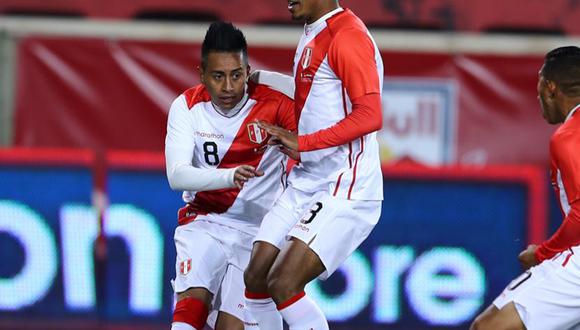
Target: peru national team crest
<point x="257" y="134"/>
<point x="185" y="267"/>
<point x="306" y="57"/>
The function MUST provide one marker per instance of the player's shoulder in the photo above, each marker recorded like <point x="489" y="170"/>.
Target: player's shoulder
<point x="195" y="95"/>
<point x="263" y="93"/>
<point x="346" y="25"/>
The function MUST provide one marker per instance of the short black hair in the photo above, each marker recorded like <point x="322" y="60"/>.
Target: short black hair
<point x="562" y="66"/>
<point x="223" y="37"/>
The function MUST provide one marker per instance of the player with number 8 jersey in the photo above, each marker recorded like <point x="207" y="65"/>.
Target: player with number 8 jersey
<point x="209" y="140"/>
<point x="219" y="157"/>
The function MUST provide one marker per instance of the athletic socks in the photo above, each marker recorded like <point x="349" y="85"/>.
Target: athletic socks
<point x="302" y="313"/>
<point x="189" y="314"/>
<point x="264" y="311"/>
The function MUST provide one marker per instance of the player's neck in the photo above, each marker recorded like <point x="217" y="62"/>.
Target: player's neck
<point x="233" y="111"/>
<point x="325" y="9"/>
<point x="572" y="105"/>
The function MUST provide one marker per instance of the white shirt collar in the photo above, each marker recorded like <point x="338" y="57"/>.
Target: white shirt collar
<point x="310" y="27"/>
<point x="572" y="112"/>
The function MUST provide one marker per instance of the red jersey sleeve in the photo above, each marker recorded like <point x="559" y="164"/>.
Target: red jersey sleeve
<point x="366" y="117"/>
<point x="566" y="236"/>
<point x="564" y="151"/>
<point x="351" y="56"/>
<point x="356" y="67"/>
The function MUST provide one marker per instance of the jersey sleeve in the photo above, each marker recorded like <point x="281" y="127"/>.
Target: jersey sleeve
<point x="278" y="81"/>
<point x="567" y="235"/>
<point x="357" y="69"/>
<point x="351" y="56"/>
<point x="179" y="151"/>
<point x="366" y="117"/>
<point x="564" y="151"/>
<point x="567" y="156"/>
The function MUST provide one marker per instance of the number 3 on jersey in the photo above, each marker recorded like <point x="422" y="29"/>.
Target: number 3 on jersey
<point x="210" y="153"/>
<point x="313" y="212"/>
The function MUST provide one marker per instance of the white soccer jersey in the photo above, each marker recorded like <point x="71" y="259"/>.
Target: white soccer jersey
<point x="327" y="76"/>
<point x="202" y="137"/>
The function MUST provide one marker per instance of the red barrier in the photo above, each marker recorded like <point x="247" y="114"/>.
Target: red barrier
<point x="47" y="156"/>
<point x="115" y="94"/>
<point x="474" y="15"/>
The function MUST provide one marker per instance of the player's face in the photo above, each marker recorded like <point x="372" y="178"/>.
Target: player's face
<point x="225" y="76"/>
<point x="549" y="107"/>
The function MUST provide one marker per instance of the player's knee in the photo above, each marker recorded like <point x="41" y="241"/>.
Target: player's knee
<point x="200" y="294"/>
<point x="281" y="285"/>
<point x="255" y="281"/>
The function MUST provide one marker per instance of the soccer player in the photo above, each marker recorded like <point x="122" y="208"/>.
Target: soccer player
<point x="547" y="295"/>
<point x="334" y="196"/>
<point x="217" y="155"/>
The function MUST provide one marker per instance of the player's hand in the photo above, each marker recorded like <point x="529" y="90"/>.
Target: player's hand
<point x="528" y="257"/>
<point x="244" y="173"/>
<point x="290" y="153"/>
<point x="280" y="136"/>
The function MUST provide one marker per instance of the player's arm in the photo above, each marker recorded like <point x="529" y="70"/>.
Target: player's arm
<point x="567" y="235"/>
<point x="568" y="161"/>
<point x="356" y="68"/>
<point x="179" y="149"/>
<point x="278" y="81"/>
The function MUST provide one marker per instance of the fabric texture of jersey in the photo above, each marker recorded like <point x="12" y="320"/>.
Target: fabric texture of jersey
<point x="565" y="177"/>
<point x="200" y="136"/>
<point x="565" y="161"/>
<point x="330" y="72"/>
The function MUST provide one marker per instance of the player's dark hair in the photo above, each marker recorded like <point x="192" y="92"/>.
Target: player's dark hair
<point x="223" y="37"/>
<point x="562" y="66"/>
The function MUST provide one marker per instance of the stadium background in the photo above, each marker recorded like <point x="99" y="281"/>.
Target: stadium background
<point x="87" y="218"/>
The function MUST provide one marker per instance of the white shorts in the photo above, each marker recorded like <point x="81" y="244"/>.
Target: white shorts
<point x="333" y="228"/>
<point x="214" y="257"/>
<point x="547" y="296"/>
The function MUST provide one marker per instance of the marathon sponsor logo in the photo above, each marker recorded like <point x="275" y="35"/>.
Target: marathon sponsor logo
<point x="209" y="135"/>
<point x="302" y="227"/>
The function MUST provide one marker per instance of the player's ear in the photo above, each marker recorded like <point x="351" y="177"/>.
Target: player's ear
<point x="201" y="72"/>
<point x="552" y="87"/>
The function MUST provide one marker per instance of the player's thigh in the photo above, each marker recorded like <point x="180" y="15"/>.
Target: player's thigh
<point x="493" y="318"/>
<point x="200" y="261"/>
<point x="230" y="302"/>
<point x="282" y="216"/>
<point x="295" y="266"/>
<point x="261" y="260"/>
<point x="201" y="294"/>
<point x="333" y="228"/>
<point x="547" y="296"/>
